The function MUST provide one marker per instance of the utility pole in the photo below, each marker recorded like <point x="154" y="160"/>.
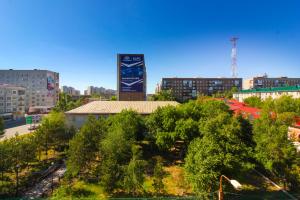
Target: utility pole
<point x="234" y="57"/>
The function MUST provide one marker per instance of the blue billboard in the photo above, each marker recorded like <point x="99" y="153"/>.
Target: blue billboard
<point x="131" y="73"/>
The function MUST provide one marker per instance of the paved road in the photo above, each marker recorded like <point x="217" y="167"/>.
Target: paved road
<point x="45" y="185"/>
<point x="10" y="132"/>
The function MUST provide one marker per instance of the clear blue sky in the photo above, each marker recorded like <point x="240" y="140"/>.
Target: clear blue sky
<point x="80" y="39"/>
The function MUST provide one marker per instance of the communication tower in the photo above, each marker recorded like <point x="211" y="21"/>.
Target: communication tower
<point x="234" y="57"/>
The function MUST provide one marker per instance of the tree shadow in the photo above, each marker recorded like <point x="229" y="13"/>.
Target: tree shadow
<point x="80" y="192"/>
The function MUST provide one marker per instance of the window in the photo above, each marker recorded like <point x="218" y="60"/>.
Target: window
<point x="21" y="92"/>
<point x="14" y="92"/>
<point x="8" y="98"/>
<point x="187" y="83"/>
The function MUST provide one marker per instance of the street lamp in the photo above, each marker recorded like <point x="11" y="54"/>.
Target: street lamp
<point x="234" y="183"/>
<point x="52" y="163"/>
<point x="17" y="179"/>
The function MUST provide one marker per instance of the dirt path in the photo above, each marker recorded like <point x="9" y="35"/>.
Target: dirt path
<point x="45" y="185"/>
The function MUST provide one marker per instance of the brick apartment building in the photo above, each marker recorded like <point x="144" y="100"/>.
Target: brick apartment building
<point x="188" y="88"/>
<point x="266" y="82"/>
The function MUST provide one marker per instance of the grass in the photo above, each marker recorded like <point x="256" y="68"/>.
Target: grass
<point x="175" y="184"/>
<point x="79" y="190"/>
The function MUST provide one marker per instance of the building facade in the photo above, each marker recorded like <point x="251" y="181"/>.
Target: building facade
<point x="101" y="91"/>
<point x="12" y="100"/>
<point x="131" y="77"/>
<point x="78" y="116"/>
<point x="70" y="91"/>
<point x="42" y="86"/>
<point x="264" y="93"/>
<point x="189" y="88"/>
<point x="266" y="82"/>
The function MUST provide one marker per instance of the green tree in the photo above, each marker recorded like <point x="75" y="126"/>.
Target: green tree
<point x="84" y="148"/>
<point x="285" y="104"/>
<point x="161" y="125"/>
<point x="158" y="176"/>
<point x="62" y="103"/>
<point x="66" y="103"/>
<point x="254" y="101"/>
<point x="163" y="95"/>
<point x="130" y="122"/>
<point x="134" y="173"/>
<point x="227" y="94"/>
<point x="113" y="98"/>
<point x="170" y="124"/>
<point x="282" y="104"/>
<point x="52" y="132"/>
<point x="20" y="152"/>
<point x="115" y="149"/>
<point x="1" y="126"/>
<point x="5" y="158"/>
<point x="273" y="150"/>
<point x="28" y="149"/>
<point x="220" y="151"/>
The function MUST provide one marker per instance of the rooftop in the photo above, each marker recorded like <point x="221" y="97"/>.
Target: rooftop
<point x="241" y="108"/>
<point x="272" y="89"/>
<point x="113" y="107"/>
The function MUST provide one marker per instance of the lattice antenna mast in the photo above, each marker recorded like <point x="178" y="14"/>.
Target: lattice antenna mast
<point x="233" y="57"/>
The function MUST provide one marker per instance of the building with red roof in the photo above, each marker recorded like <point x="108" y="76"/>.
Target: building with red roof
<point x="240" y="108"/>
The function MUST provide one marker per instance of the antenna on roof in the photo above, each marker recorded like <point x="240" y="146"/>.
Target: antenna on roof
<point x="234" y="57"/>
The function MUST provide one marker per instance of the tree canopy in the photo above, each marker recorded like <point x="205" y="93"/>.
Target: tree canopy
<point x="163" y="95"/>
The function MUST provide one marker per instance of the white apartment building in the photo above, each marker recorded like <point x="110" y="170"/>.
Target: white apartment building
<point x="99" y="90"/>
<point x="70" y="90"/>
<point x="264" y="93"/>
<point x="42" y="86"/>
<point x="12" y="100"/>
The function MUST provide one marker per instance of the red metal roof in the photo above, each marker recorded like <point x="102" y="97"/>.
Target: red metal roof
<point x="247" y="111"/>
<point x="241" y="108"/>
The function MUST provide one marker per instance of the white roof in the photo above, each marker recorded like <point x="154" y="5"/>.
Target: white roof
<point x="113" y="107"/>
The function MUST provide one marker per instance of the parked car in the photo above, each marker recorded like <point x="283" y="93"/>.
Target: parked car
<point x="32" y="127"/>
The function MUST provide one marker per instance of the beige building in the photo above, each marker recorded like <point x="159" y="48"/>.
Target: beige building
<point x="42" y="86"/>
<point x="265" y="82"/>
<point x="78" y="116"/>
<point x="264" y="93"/>
<point x="294" y="136"/>
<point x="12" y="100"/>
